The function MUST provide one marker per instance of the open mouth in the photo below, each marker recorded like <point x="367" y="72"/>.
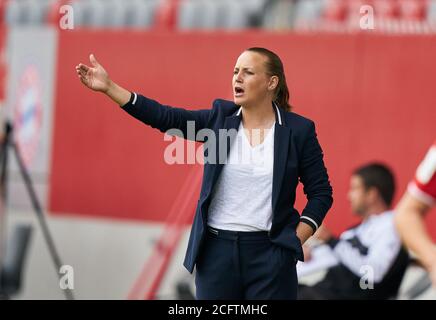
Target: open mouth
<point x="239" y="92"/>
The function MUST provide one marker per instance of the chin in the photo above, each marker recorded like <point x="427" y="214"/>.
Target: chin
<point x="239" y="101"/>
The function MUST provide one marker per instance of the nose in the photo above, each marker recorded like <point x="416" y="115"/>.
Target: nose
<point x="238" y="77"/>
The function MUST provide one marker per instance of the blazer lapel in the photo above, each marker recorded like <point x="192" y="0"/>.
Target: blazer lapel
<point x="223" y="146"/>
<point x="231" y="122"/>
<point x="282" y="135"/>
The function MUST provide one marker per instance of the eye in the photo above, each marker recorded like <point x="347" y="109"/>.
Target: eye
<point x="235" y="72"/>
<point x="249" y="72"/>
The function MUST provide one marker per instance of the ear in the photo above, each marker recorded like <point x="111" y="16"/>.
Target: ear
<point x="373" y="194"/>
<point x="273" y="83"/>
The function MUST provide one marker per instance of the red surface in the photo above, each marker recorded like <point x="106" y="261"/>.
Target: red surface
<point x="3" y="65"/>
<point x="372" y="98"/>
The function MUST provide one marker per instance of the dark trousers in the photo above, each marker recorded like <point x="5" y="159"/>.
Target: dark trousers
<point x="244" y="265"/>
<point x="314" y="293"/>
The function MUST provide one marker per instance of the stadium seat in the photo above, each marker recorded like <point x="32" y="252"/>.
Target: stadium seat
<point x="81" y="13"/>
<point x="115" y="13"/>
<point x="190" y="14"/>
<point x="96" y="9"/>
<point x="335" y="10"/>
<point x="431" y="11"/>
<point x="279" y="15"/>
<point x="213" y="16"/>
<point x="236" y="16"/>
<point x="256" y="10"/>
<point x="354" y="7"/>
<point x="308" y="11"/>
<point x="386" y="9"/>
<point x="36" y="11"/>
<point x="414" y="10"/>
<point x="15" y="13"/>
<point x="141" y="14"/>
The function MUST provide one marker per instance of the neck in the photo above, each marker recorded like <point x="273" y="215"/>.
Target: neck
<point x="375" y="210"/>
<point x="258" y="116"/>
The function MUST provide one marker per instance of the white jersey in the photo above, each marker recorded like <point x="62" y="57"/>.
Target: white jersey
<point x="371" y="247"/>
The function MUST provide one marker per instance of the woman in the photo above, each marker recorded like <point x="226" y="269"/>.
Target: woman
<point x="246" y="236"/>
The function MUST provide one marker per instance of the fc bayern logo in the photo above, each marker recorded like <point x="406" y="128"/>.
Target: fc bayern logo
<point x="28" y="115"/>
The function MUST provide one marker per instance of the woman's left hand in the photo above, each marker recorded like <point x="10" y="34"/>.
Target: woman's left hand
<point x="304" y="232"/>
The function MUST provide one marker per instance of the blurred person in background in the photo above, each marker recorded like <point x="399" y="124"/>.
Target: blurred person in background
<point x="369" y="260"/>
<point x="419" y="198"/>
<point x="246" y="236"/>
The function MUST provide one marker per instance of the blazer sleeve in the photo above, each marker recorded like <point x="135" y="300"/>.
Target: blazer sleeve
<point x="180" y="122"/>
<point x="313" y="175"/>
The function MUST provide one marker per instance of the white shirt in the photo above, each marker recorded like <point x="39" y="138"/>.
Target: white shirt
<point x="241" y="200"/>
<point x="369" y="249"/>
<point x="379" y="236"/>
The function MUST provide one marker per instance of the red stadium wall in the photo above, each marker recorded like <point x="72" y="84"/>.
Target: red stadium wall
<point x="3" y="66"/>
<point x="372" y="98"/>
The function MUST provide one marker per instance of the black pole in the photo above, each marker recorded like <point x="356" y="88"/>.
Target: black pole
<point x="37" y="207"/>
<point x="3" y="195"/>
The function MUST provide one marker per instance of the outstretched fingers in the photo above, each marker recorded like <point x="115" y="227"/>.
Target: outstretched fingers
<point x="82" y="75"/>
<point x="93" y="60"/>
<point x="82" y="71"/>
<point x="82" y="67"/>
<point x="83" y="80"/>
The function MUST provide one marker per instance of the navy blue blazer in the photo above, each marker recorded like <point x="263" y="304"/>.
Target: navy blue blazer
<point x="297" y="156"/>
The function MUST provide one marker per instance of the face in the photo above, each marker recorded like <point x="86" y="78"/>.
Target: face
<point x="358" y="195"/>
<point x="251" y="83"/>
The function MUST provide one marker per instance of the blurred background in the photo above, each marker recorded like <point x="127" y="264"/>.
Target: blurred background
<point x="118" y="214"/>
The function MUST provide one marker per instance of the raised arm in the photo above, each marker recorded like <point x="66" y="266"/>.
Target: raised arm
<point x="146" y="110"/>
